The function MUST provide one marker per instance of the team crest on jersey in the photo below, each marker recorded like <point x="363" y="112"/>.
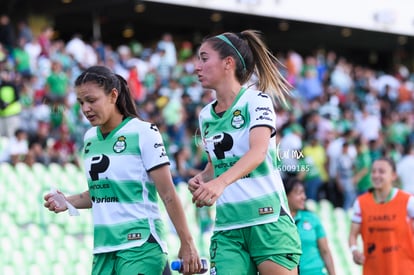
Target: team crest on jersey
<point x="120" y="145"/>
<point x="238" y="120"/>
<point x="307" y="225"/>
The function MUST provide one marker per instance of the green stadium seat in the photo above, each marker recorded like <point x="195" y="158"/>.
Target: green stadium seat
<point x="55" y="168"/>
<point x="325" y="206"/>
<point x="34" y="268"/>
<point x="8" y="269"/>
<point x="39" y="170"/>
<point x="22" y="169"/>
<point x="337" y="223"/>
<point x="50" y="245"/>
<point x="6" y="246"/>
<point x="55" y="231"/>
<point x="19" y="261"/>
<point x="311" y="205"/>
<point x="85" y="256"/>
<point x="83" y="269"/>
<point x="9" y="178"/>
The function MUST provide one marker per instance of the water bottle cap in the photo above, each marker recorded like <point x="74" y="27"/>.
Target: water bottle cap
<point x="176" y="265"/>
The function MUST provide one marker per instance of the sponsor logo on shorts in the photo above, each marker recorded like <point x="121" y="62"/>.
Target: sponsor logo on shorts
<point x="134" y="236"/>
<point x="213" y="270"/>
<point x="266" y="210"/>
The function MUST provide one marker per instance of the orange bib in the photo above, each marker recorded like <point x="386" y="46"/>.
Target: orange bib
<point x="387" y="236"/>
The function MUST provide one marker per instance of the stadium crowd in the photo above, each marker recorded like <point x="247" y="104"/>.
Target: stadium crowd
<point x="341" y="116"/>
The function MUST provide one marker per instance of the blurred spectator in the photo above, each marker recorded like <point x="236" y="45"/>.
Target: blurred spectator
<point x="58" y="54"/>
<point x="147" y="110"/>
<point x="341" y="76"/>
<point x="43" y="70"/>
<point x="405" y="168"/>
<point x="387" y="86"/>
<point x="362" y="78"/>
<point x="316" y="255"/>
<point x="151" y="82"/>
<point x="397" y="129"/>
<point x="125" y="60"/>
<point x="347" y="122"/>
<point x="321" y="126"/>
<point x="191" y="118"/>
<point x="344" y="177"/>
<point x="77" y="48"/>
<point x="21" y="58"/>
<point x="174" y="115"/>
<point x="362" y="173"/>
<point x="182" y="168"/>
<point x="135" y="85"/>
<point x="45" y="41"/>
<point x="91" y="56"/>
<point x="388" y="101"/>
<point x="186" y="50"/>
<point x="290" y="149"/>
<point x="138" y="66"/>
<point x="39" y="143"/>
<point x="174" y="90"/>
<point x="309" y="86"/>
<point x="99" y="48"/>
<point x="63" y="150"/>
<point x="27" y="100"/>
<point x="316" y="175"/>
<point x="77" y="123"/>
<point x="195" y="90"/>
<point x="334" y="151"/>
<point x="159" y="62"/>
<point x="376" y="149"/>
<point x="294" y="63"/>
<point x="33" y="49"/>
<point x="10" y="106"/>
<point x="3" y="53"/>
<point x="393" y="151"/>
<point x="17" y="148"/>
<point x="405" y="96"/>
<point x="115" y="64"/>
<point x="62" y="114"/>
<point x="7" y="35"/>
<point x="167" y="44"/>
<point x="24" y="31"/>
<point x="330" y="108"/>
<point x="368" y="125"/>
<point x="57" y="85"/>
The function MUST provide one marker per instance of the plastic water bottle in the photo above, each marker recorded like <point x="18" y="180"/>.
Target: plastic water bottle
<point x="177" y="265"/>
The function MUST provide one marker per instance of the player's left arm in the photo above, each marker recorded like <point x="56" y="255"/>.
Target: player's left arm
<point x="165" y="188"/>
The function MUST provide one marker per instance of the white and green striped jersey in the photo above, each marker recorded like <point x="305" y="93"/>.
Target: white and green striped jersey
<point x="256" y="198"/>
<point x="124" y="198"/>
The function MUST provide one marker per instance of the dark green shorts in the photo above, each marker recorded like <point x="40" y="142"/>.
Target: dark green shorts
<point x="240" y="251"/>
<point x="147" y="259"/>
